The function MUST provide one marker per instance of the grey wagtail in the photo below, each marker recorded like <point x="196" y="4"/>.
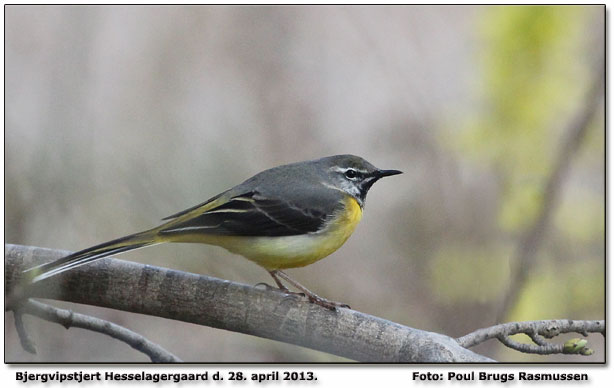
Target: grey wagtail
<point x="285" y="217"/>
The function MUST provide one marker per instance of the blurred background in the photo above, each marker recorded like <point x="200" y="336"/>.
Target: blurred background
<point x="117" y="116"/>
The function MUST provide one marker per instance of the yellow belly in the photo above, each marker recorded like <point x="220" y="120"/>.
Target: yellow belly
<point x="291" y="251"/>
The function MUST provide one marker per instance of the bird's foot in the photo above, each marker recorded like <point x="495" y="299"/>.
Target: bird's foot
<point x="313" y="298"/>
<point x="329" y="304"/>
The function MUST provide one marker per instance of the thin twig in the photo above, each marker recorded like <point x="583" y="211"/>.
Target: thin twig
<point x="68" y="319"/>
<point x="26" y="342"/>
<point x="536" y="330"/>
<point x="530" y="348"/>
<point x="538" y="339"/>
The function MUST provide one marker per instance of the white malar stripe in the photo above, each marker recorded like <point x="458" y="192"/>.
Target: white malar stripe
<point x="346" y="188"/>
<point x="325" y="184"/>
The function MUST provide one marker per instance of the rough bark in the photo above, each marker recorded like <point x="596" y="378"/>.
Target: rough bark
<point x="231" y="306"/>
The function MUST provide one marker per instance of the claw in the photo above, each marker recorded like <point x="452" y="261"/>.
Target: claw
<point x="329" y="304"/>
<point x="313" y="298"/>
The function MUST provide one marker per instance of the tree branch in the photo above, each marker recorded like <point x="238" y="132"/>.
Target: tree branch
<point x="537" y="331"/>
<point x="26" y="342"/>
<point x="68" y="319"/>
<point x="236" y="307"/>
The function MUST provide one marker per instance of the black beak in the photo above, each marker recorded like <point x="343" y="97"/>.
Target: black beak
<point x="382" y="173"/>
<point x="375" y="176"/>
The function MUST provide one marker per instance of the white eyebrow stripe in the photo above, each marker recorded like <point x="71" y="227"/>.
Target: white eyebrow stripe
<point x="342" y="169"/>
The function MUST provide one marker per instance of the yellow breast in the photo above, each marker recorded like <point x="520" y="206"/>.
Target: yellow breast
<point x="295" y="251"/>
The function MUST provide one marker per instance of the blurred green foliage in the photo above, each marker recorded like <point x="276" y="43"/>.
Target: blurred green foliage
<point x="582" y="220"/>
<point x="524" y="61"/>
<point x="466" y="273"/>
<point x="574" y="291"/>
<point x="535" y="70"/>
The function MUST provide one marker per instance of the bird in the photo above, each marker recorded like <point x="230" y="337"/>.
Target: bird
<point x="284" y="217"/>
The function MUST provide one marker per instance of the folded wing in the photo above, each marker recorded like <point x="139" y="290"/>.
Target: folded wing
<point x="249" y="214"/>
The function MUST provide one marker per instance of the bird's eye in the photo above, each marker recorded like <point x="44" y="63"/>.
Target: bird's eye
<point x="351" y="174"/>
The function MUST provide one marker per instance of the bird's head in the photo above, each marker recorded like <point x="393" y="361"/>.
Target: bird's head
<point x="354" y="175"/>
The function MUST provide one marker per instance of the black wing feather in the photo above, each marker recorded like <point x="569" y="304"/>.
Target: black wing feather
<point x="251" y="214"/>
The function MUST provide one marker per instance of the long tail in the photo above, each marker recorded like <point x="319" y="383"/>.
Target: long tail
<point x="120" y="245"/>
